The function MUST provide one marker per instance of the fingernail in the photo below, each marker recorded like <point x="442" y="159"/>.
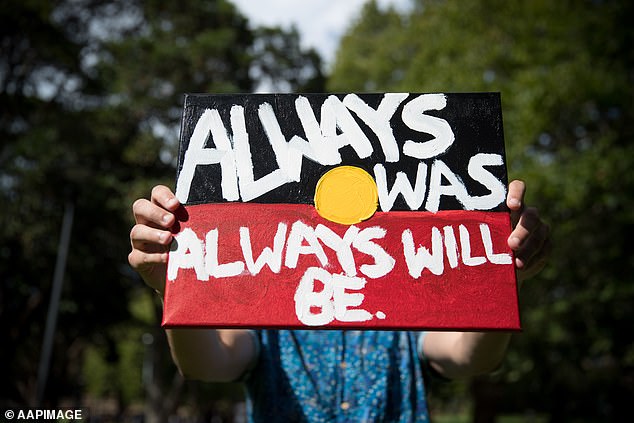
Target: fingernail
<point x="161" y="236"/>
<point x="514" y="202"/>
<point x="166" y="218"/>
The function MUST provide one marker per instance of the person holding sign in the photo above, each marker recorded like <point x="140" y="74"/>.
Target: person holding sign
<point x="329" y="375"/>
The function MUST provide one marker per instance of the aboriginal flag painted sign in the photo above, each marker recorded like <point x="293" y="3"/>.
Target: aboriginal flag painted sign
<point x="382" y="211"/>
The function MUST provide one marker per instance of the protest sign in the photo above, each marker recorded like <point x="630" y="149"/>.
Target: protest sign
<point x="382" y="211"/>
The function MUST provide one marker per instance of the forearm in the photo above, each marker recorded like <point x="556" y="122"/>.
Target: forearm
<point x="457" y="355"/>
<point x="211" y="355"/>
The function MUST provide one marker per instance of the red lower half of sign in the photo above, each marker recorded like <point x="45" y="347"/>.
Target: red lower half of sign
<point x="283" y="266"/>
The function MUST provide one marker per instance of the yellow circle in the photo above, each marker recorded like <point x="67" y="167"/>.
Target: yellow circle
<point x="347" y="195"/>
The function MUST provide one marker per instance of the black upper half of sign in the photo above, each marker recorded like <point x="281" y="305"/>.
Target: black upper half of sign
<point x="475" y="119"/>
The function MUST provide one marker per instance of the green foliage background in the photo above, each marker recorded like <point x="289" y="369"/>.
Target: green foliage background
<point x="90" y="102"/>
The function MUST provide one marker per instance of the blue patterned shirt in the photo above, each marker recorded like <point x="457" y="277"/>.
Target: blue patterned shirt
<point x="336" y="376"/>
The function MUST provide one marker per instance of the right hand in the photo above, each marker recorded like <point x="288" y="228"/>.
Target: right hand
<point x="151" y="236"/>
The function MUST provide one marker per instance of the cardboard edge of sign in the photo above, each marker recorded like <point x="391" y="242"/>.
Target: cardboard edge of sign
<point x="510" y="328"/>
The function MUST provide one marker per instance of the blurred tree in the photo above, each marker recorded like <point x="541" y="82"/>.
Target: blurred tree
<point x="565" y="71"/>
<point x="48" y="157"/>
<point x="280" y="64"/>
<point x="91" y="96"/>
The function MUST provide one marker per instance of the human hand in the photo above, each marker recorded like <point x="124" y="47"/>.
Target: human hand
<point x="530" y="238"/>
<point x="151" y="236"/>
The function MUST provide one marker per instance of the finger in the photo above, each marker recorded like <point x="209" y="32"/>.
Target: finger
<point x="142" y="262"/>
<point x="530" y="268"/>
<point x="535" y="246"/>
<point x="528" y="222"/>
<point x="151" y="214"/>
<point x="165" y="198"/>
<point x="148" y="239"/>
<point x="515" y="196"/>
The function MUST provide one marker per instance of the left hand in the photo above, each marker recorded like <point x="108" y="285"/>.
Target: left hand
<point x="530" y="238"/>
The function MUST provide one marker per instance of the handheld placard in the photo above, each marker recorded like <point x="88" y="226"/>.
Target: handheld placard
<point x="350" y="210"/>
